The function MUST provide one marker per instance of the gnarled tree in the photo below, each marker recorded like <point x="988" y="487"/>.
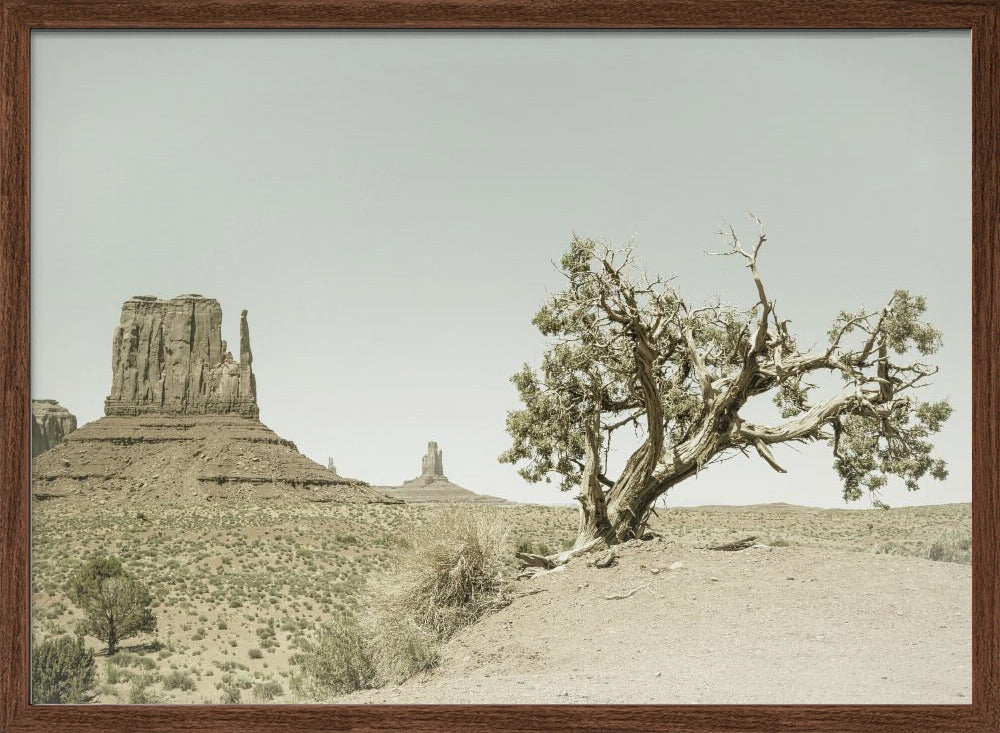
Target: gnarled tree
<point x="629" y="354"/>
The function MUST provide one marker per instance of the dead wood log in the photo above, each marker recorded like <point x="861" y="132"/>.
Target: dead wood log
<point x="735" y="546"/>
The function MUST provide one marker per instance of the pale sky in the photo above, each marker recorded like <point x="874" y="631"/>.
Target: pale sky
<point x="387" y="206"/>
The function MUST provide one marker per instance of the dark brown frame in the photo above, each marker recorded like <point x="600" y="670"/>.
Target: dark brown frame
<point x="19" y="17"/>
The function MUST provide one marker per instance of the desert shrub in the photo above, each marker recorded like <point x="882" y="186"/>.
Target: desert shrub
<point x="231" y="694"/>
<point x="62" y="671"/>
<point x="178" y="680"/>
<point x="138" y="694"/>
<point x="124" y="659"/>
<point x="56" y="610"/>
<point x="402" y="650"/>
<point x="113" y="673"/>
<point x="266" y="691"/>
<point x="533" y="547"/>
<point x="256" y="654"/>
<point x="340" y="661"/>
<point x="892" y="548"/>
<point x="951" y="546"/>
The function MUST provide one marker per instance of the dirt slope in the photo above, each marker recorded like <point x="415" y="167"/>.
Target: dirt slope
<point x="151" y="458"/>
<point x="785" y="625"/>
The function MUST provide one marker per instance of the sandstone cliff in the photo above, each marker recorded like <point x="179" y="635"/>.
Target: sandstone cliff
<point x="168" y="357"/>
<point x="50" y="424"/>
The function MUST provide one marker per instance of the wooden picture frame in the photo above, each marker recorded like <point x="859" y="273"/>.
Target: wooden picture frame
<point x="20" y="17"/>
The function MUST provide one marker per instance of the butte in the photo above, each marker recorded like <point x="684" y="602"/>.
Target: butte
<point x="432" y="486"/>
<point x="182" y="423"/>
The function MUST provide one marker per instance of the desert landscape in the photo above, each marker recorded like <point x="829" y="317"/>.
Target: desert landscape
<point x="183" y="552"/>
<point x="551" y="367"/>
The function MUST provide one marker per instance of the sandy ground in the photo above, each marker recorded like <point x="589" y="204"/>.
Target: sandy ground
<point x="785" y="625"/>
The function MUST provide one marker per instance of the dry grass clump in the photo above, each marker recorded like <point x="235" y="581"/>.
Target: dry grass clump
<point x="952" y="546"/>
<point x="451" y="575"/>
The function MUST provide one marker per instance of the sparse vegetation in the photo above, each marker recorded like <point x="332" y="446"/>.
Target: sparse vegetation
<point x="952" y="547"/>
<point x="451" y="575"/>
<point x="264" y="692"/>
<point x="341" y="661"/>
<point x="231" y="694"/>
<point x="201" y="561"/>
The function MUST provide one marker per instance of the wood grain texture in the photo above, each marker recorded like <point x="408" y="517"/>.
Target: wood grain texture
<point x="19" y="17"/>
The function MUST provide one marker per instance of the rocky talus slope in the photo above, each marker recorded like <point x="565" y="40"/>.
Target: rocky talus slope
<point x="205" y="456"/>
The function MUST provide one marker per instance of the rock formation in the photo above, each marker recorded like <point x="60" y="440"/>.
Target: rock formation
<point x="432" y="486"/>
<point x="168" y="357"/>
<point x="182" y="422"/>
<point x="431" y="467"/>
<point x="50" y="424"/>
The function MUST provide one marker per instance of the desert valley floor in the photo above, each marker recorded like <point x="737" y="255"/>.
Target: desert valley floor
<point x="843" y="606"/>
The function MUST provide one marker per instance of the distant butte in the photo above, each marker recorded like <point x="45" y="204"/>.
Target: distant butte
<point x="432" y="486"/>
<point x="431" y="467"/>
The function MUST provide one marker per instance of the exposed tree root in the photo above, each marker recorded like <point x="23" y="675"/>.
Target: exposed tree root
<point x="547" y="562"/>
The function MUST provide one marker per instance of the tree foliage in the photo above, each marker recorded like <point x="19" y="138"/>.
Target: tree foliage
<point x="62" y="671"/>
<point x="631" y="362"/>
<point x="117" y="606"/>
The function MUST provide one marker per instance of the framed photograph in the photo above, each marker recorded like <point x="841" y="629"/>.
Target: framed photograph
<point x="499" y="366"/>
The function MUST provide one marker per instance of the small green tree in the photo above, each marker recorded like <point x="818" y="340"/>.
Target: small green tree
<point x="62" y="671"/>
<point x="116" y="604"/>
